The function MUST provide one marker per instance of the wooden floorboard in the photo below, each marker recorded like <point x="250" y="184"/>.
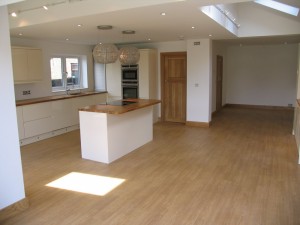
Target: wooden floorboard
<point x="241" y="171"/>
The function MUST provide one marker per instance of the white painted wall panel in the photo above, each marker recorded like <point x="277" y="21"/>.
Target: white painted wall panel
<point x="199" y="78"/>
<point x="11" y="175"/>
<point x="261" y="75"/>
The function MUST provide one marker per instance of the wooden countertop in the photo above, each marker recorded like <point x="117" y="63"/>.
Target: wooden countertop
<point x="55" y="98"/>
<point x="114" y="109"/>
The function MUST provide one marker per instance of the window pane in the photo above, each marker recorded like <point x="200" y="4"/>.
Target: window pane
<point x="56" y="72"/>
<point x="72" y="68"/>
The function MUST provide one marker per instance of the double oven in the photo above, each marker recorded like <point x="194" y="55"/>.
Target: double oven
<point x="130" y="81"/>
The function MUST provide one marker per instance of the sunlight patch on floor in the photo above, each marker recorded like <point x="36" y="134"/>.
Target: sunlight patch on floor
<point x="87" y="183"/>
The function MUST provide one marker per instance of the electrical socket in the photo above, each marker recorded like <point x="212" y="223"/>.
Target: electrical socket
<point x="27" y="92"/>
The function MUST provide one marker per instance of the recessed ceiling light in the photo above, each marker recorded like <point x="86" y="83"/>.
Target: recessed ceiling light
<point x="79" y="25"/>
<point x="105" y="27"/>
<point x="163" y="14"/>
<point x="128" y="32"/>
<point x="149" y="39"/>
<point x="14" y="14"/>
<point x="210" y="35"/>
<point x="45" y="7"/>
<point x="67" y="39"/>
<point x="20" y="34"/>
<point x="193" y="27"/>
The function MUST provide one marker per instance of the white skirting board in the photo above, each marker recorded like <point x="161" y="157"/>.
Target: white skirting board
<point x="107" y="137"/>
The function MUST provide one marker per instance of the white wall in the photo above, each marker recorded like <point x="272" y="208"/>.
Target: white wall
<point x="261" y="75"/>
<point x="11" y="176"/>
<point x="49" y="49"/>
<point x="199" y="79"/>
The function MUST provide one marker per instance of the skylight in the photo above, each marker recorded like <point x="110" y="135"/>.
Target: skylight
<point x="279" y="6"/>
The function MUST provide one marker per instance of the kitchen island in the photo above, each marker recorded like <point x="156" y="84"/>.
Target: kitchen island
<point x="111" y="130"/>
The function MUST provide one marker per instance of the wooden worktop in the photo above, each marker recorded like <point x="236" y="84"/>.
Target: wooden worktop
<point x="54" y="98"/>
<point x="112" y="109"/>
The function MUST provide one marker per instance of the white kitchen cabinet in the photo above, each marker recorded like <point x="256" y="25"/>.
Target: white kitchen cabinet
<point x="148" y="74"/>
<point x="113" y="80"/>
<point x="98" y="99"/>
<point x="36" y="111"/>
<point x="27" y="64"/>
<point x="148" y="78"/>
<point x="81" y="102"/>
<point x="86" y="101"/>
<point x="20" y="122"/>
<point x="43" y="120"/>
<point x="37" y="119"/>
<point x="62" y="114"/>
<point x="36" y="127"/>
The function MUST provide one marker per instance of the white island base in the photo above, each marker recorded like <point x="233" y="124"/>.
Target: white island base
<point x="107" y="137"/>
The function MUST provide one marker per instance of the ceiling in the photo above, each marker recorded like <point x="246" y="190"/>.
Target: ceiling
<point x="61" y="20"/>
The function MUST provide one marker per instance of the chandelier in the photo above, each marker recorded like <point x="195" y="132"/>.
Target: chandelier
<point x="129" y="55"/>
<point x="105" y="53"/>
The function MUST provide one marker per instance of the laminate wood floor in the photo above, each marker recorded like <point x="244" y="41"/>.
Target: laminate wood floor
<point x="241" y="171"/>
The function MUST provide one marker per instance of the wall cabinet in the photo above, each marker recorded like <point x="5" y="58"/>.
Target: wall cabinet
<point x="27" y="64"/>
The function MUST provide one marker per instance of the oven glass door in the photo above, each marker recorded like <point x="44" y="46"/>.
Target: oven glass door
<point x="129" y="74"/>
<point x="130" y="91"/>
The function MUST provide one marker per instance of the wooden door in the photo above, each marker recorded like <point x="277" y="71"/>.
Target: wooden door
<point x="173" y="86"/>
<point x="219" y="83"/>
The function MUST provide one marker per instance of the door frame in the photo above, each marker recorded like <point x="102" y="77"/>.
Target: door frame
<point x="219" y="84"/>
<point x="163" y="55"/>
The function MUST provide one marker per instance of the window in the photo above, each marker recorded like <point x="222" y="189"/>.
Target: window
<point x="65" y="73"/>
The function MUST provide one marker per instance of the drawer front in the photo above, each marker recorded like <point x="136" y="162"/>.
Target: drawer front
<point x="36" y="111"/>
<point x="37" y="127"/>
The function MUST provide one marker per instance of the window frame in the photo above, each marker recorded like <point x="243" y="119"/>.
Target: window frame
<point x="65" y="86"/>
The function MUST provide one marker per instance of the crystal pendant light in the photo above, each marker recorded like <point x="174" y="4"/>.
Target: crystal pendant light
<point x="129" y="55"/>
<point x="105" y="53"/>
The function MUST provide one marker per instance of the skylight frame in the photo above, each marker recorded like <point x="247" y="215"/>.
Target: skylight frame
<point x="282" y="7"/>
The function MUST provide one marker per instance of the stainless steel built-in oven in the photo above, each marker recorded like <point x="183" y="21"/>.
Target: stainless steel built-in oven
<point x="130" y="91"/>
<point x="130" y="81"/>
<point x="130" y="73"/>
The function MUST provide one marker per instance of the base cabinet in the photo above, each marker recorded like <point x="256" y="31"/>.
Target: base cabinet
<point x="43" y="120"/>
<point x="20" y="122"/>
